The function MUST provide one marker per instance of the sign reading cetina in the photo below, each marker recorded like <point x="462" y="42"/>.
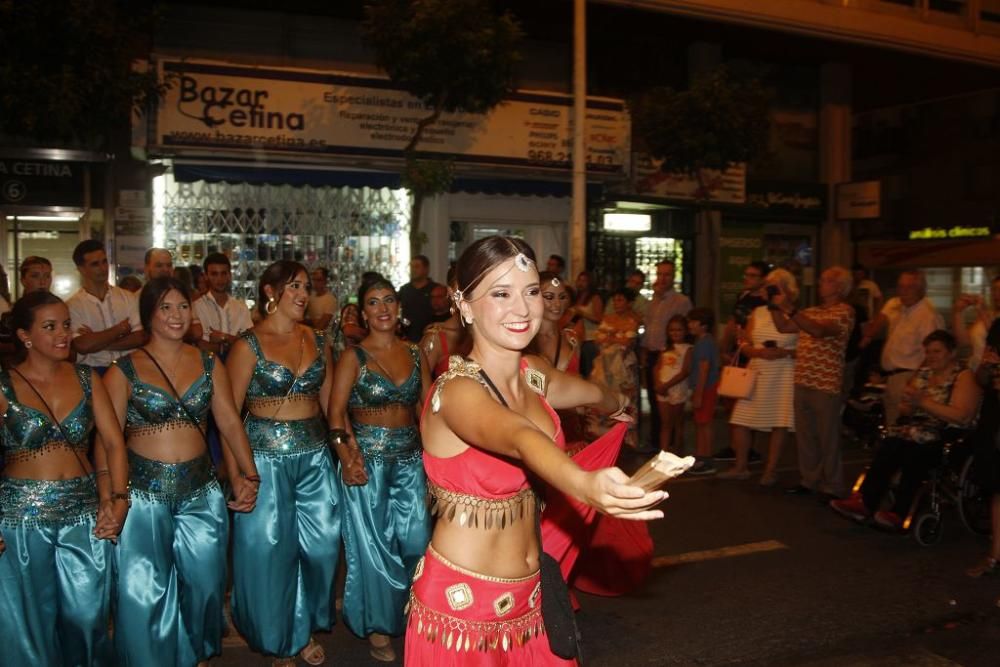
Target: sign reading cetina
<point x="224" y="107"/>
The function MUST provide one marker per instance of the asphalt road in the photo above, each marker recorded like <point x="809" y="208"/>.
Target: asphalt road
<point x="749" y="576"/>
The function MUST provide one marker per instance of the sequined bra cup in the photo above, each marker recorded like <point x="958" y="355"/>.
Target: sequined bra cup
<point x="374" y="391"/>
<point x="29" y="432"/>
<point x="152" y="409"/>
<point x="271" y="380"/>
<point x="476" y="488"/>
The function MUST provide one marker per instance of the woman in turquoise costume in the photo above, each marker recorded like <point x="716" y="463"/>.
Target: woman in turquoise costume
<point x="56" y="514"/>
<point x="285" y="552"/>
<point x="172" y="553"/>
<point x="386" y="526"/>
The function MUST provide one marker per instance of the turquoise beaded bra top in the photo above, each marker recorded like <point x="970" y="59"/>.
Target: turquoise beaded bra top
<point x="271" y="379"/>
<point x="29" y="432"/>
<point x="151" y="406"/>
<point x="375" y="390"/>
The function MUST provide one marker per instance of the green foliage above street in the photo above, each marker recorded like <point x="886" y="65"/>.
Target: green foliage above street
<point x="722" y="118"/>
<point x="66" y="75"/>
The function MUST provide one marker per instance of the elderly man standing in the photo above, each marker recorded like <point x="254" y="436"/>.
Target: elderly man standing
<point x="910" y="316"/>
<point x="819" y="375"/>
<point x="158" y="264"/>
<point x="666" y="303"/>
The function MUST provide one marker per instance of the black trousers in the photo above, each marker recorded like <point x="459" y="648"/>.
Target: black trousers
<point x="914" y="460"/>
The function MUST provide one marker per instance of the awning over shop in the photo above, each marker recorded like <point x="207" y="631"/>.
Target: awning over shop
<point x="916" y="254"/>
<point x="272" y="175"/>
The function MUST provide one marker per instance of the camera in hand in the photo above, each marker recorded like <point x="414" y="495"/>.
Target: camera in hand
<point x="770" y="343"/>
<point x="772" y="291"/>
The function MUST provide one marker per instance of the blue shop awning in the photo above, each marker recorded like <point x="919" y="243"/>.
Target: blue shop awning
<point x="270" y="175"/>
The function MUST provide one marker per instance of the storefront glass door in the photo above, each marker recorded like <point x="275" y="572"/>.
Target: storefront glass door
<point x="47" y="236"/>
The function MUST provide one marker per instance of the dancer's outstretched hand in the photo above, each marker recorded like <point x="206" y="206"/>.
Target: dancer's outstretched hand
<point x="609" y="492"/>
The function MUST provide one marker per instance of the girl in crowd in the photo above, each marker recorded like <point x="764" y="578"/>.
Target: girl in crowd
<point x="55" y="577"/>
<point x="478" y="587"/>
<point x="617" y="366"/>
<point x="285" y="551"/>
<point x="444" y="339"/>
<point x="172" y="555"/>
<point x="941" y="393"/>
<point x="770" y="407"/>
<point x="672" y="391"/>
<point x="349" y="329"/>
<point x="379" y="385"/>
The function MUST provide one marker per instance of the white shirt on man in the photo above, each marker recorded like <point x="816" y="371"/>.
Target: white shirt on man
<point x="85" y="309"/>
<point x="232" y="318"/>
<point x="904" y="346"/>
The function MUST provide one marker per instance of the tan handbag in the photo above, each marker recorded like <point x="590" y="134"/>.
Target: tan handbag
<point x="737" y="382"/>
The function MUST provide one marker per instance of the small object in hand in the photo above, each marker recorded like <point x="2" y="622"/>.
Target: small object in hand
<point x="772" y="291"/>
<point x="659" y="470"/>
<point x="770" y="343"/>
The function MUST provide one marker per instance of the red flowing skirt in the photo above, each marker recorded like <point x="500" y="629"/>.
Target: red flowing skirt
<point x="597" y="554"/>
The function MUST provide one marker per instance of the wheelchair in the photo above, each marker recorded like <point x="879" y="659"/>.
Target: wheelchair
<point x="950" y="484"/>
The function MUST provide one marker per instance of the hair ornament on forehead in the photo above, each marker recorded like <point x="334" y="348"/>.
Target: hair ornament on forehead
<point x="555" y="282"/>
<point x="522" y="262"/>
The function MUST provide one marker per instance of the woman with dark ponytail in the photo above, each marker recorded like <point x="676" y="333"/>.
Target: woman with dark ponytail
<point x="57" y="514"/>
<point x="377" y="390"/>
<point x="285" y="551"/>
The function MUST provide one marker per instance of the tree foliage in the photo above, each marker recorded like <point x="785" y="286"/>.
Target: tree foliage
<point x="722" y="118"/>
<point x="66" y="73"/>
<point x="453" y="55"/>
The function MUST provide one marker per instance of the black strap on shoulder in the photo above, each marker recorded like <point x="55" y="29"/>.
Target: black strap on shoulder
<point x="173" y="390"/>
<point x="493" y="388"/>
<point x="55" y="420"/>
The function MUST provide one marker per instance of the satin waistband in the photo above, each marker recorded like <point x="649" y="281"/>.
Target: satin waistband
<point x="169" y="481"/>
<point x="470" y="611"/>
<point x="388" y="444"/>
<point x="49" y="502"/>
<point x="270" y="437"/>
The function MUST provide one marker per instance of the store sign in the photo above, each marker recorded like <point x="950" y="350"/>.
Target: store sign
<point x="859" y="201"/>
<point x="789" y="197"/>
<point x="727" y="186"/>
<point x="25" y="182"/>
<point x="214" y="106"/>
<point x="956" y="232"/>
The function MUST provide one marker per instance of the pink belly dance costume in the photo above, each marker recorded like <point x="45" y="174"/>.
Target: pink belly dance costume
<point x="460" y="617"/>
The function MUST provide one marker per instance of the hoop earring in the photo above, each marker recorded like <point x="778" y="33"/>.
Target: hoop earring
<point x="271" y="307"/>
<point x="28" y="344"/>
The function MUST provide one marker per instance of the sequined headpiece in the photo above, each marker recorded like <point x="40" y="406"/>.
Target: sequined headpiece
<point x="521" y="262"/>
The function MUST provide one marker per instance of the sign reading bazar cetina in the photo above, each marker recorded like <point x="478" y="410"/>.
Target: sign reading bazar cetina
<point x="225" y="107"/>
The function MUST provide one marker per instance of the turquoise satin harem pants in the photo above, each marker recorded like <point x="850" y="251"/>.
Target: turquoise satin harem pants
<point x="285" y="551"/>
<point x="171" y="565"/>
<point x="55" y="576"/>
<point x="386" y="529"/>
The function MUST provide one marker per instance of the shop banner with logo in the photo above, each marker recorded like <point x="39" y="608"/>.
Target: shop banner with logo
<point x="30" y="182"/>
<point x="286" y="111"/>
<point x="727" y="186"/>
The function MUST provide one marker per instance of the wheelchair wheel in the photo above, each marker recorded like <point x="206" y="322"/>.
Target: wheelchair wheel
<point x="973" y="502"/>
<point x="928" y="529"/>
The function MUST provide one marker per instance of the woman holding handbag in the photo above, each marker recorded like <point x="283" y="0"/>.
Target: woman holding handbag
<point x="285" y="551"/>
<point x="769" y="407"/>
<point x="172" y="556"/>
<point x="477" y="594"/>
<point x="57" y="515"/>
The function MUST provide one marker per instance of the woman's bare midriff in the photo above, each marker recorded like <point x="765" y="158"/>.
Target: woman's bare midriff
<point x="509" y="553"/>
<point x="290" y="410"/>
<point x="395" y="415"/>
<point x="56" y="464"/>
<point x="176" y="445"/>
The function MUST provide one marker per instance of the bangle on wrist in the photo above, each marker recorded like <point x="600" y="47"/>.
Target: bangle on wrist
<point x="250" y="478"/>
<point x="122" y="496"/>
<point x="337" y="436"/>
<point x="102" y="471"/>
